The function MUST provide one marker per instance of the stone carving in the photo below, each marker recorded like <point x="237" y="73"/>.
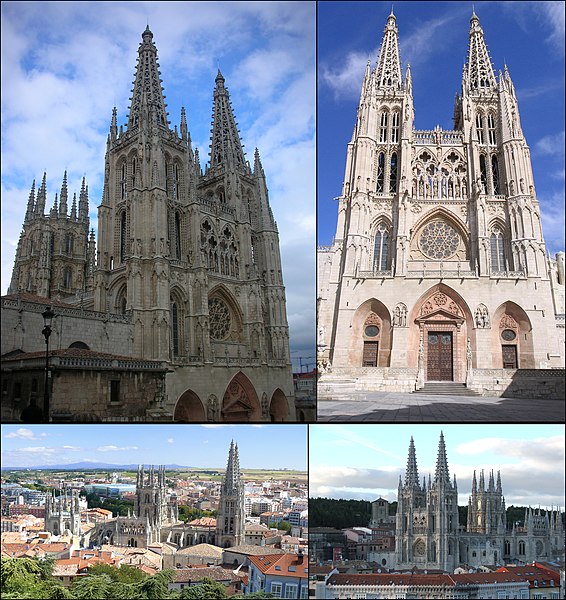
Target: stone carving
<point x="426" y="308"/>
<point x="264" y="406"/>
<point x="400" y="315"/>
<point x="212" y="408"/>
<point x="482" y="317"/>
<point x="440" y="299"/>
<point x="508" y="322"/>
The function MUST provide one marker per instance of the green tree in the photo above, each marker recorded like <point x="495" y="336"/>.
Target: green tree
<point x="93" y="587"/>
<point x="207" y="590"/>
<point x="24" y="578"/>
<point x="155" y="587"/>
<point x="122" y="574"/>
<point x="284" y="526"/>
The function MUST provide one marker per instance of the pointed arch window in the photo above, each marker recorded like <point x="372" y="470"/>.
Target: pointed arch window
<point x="123" y="237"/>
<point x="395" y="128"/>
<point x="69" y="244"/>
<point x="175" y="328"/>
<point x="123" y="181"/>
<point x="67" y="278"/>
<point x="495" y="175"/>
<point x="497" y="242"/>
<point x="175" y="181"/>
<point x="381" y="248"/>
<point x="483" y="172"/>
<point x="479" y="127"/>
<point x="380" y="172"/>
<point x="393" y="174"/>
<point x="491" y="128"/>
<point x="133" y="171"/>
<point x="383" y="127"/>
<point x="177" y="236"/>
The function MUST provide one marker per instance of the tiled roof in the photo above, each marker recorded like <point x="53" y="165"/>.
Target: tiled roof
<point x="27" y="297"/>
<point x="284" y="565"/>
<point x="250" y="550"/>
<point x="68" y="352"/>
<point x="483" y="578"/>
<point x="204" y="522"/>
<point x="532" y="573"/>
<point x="202" y="550"/>
<point x="216" y="573"/>
<point x="390" y="579"/>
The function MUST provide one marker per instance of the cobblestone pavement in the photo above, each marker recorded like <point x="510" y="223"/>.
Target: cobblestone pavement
<point x="390" y="407"/>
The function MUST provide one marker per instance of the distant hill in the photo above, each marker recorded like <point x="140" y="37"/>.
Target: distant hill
<point x="85" y="466"/>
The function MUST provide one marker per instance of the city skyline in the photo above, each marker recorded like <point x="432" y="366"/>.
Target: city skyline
<point x="185" y="445"/>
<point x="363" y="462"/>
<point x="66" y="65"/>
<point x="522" y="35"/>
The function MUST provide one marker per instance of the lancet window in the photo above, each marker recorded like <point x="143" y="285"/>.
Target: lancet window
<point x="381" y="248"/>
<point x="495" y="175"/>
<point x="479" y="128"/>
<point x="69" y="244"/>
<point x="393" y="173"/>
<point x="67" y="278"/>
<point x="497" y="242"/>
<point x="380" y="172"/>
<point x="123" y="237"/>
<point x="395" y="127"/>
<point x="491" y="128"/>
<point x="175" y="328"/>
<point x="123" y="173"/>
<point x="383" y="127"/>
<point x="177" y="236"/>
<point x="483" y="172"/>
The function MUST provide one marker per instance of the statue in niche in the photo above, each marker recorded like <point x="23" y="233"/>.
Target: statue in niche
<point x="212" y="408"/>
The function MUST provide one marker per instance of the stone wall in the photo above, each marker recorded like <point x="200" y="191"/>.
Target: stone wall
<point x="519" y="383"/>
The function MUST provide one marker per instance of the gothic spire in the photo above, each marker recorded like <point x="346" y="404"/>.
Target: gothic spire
<point x="498" y="484"/>
<point x="388" y="73"/>
<point x="225" y="146"/>
<point x="63" y="198"/>
<point x="231" y="481"/>
<point x="474" y="483"/>
<point x="147" y="96"/>
<point x="184" y="129"/>
<point x="41" y="197"/>
<point x="31" y="202"/>
<point x="74" y="207"/>
<point x="83" y="201"/>
<point x="441" y="473"/>
<point x="479" y="69"/>
<point x="114" y="125"/>
<point x="412" y="473"/>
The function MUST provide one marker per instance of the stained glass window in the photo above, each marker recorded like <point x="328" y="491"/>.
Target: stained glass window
<point x="219" y="319"/>
<point x="439" y="240"/>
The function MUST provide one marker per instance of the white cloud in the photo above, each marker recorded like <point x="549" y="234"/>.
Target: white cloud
<point x="38" y="450"/>
<point x="551" y="144"/>
<point x="71" y="448"/>
<point x="170" y="441"/>
<point x="22" y="433"/>
<point x="112" y="448"/>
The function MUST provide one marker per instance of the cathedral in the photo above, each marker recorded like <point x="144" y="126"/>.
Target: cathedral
<point x="182" y="293"/>
<point x="155" y="516"/>
<point x="428" y="534"/>
<point x="438" y="270"/>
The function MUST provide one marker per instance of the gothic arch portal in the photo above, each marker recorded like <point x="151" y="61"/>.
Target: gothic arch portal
<point x="189" y="408"/>
<point x="444" y="322"/>
<point x="511" y="338"/>
<point x="371" y="313"/>
<point x="278" y="407"/>
<point x="240" y="401"/>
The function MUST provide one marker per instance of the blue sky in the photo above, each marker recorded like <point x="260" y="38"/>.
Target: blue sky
<point x="528" y="36"/>
<point x="260" y="446"/>
<point x="364" y="462"/>
<point x="66" y="64"/>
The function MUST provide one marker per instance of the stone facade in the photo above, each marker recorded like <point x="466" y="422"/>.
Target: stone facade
<point x="187" y="263"/>
<point x="438" y="271"/>
<point x="428" y="535"/>
<point x="63" y="513"/>
<point x="231" y="512"/>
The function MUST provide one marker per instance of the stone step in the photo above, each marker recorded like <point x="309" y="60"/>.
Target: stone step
<point x="446" y="389"/>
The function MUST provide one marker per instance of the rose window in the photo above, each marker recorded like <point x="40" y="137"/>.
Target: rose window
<point x="439" y="240"/>
<point x="219" y="319"/>
<point x="420" y="548"/>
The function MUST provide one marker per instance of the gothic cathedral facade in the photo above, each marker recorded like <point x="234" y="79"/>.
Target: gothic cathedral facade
<point x="428" y="534"/>
<point x="187" y="262"/>
<point x="438" y="270"/>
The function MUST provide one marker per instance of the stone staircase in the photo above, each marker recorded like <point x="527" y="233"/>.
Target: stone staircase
<point x="445" y="388"/>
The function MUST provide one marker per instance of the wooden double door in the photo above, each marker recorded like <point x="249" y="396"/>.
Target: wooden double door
<point x="440" y="365"/>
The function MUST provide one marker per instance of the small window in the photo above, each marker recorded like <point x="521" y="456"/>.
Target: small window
<point x="115" y="390"/>
<point x="479" y="128"/>
<point x="371" y="331"/>
<point x="383" y="128"/>
<point x="380" y="172"/>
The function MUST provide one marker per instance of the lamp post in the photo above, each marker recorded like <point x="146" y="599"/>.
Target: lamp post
<point x="47" y="315"/>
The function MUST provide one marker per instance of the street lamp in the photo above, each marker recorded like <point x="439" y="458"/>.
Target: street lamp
<point x="47" y="315"/>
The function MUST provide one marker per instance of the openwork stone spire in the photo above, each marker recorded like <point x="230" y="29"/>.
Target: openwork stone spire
<point x="479" y="68"/>
<point x="226" y="146"/>
<point x="412" y="474"/>
<point x="148" y="101"/>
<point x="441" y="472"/>
<point x="231" y="483"/>
<point x="388" y="73"/>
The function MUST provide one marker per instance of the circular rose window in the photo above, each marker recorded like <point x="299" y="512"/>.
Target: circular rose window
<point x="508" y="335"/>
<point x="420" y="548"/>
<point x="372" y="331"/>
<point x="439" y="240"/>
<point x="219" y="319"/>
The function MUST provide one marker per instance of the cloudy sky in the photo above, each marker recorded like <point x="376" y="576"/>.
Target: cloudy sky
<point x="66" y="64"/>
<point x="185" y="445"/>
<point x="364" y="462"/>
<point x="528" y="36"/>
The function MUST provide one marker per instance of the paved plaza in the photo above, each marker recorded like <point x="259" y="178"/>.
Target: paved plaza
<point x="391" y="407"/>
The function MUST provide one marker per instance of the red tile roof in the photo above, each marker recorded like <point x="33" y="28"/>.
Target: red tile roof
<point x="531" y="573"/>
<point x="284" y="565"/>
<point x="390" y="579"/>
